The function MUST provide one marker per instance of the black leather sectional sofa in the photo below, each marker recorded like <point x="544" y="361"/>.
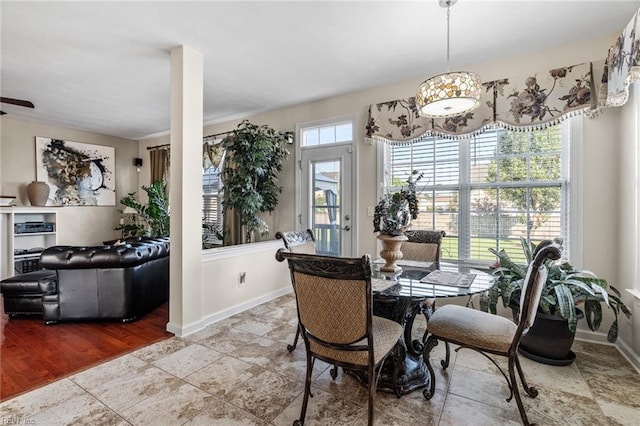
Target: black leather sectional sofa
<point x="119" y="282"/>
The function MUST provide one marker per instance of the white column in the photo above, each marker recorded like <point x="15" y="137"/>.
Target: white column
<point x="185" y="296"/>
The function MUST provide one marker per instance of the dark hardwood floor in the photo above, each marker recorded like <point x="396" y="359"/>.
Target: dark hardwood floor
<point x="33" y="354"/>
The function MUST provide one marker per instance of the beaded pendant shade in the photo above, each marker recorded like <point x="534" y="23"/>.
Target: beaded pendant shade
<point x="449" y="94"/>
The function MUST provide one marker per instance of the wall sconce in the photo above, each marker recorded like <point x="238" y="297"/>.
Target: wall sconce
<point x="138" y="163"/>
<point x="289" y="138"/>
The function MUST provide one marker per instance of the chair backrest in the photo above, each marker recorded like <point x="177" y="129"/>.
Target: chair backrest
<point x="298" y="241"/>
<point x="334" y="297"/>
<point x="422" y="245"/>
<point x="534" y="281"/>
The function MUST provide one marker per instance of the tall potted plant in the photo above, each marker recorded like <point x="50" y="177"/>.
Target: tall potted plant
<point x="392" y="217"/>
<point x="566" y="289"/>
<point x="152" y="219"/>
<point x="255" y="157"/>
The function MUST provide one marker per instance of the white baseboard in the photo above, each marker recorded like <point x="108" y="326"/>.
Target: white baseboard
<point x="226" y="313"/>
<point x="621" y="345"/>
<point x="629" y="354"/>
<point x="183" y="331"/>
<point x="593" y="337"/>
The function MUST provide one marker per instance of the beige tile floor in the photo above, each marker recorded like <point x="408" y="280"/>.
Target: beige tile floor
<point x="238" y="372"/>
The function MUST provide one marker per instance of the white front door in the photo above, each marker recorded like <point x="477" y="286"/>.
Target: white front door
<point x="326" y="181"/>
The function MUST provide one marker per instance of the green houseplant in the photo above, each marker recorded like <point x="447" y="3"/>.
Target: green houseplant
<point x="565" y="289"/>
<point x="151" y="219"/>
<point x="255" y="157"/>
<point x="394" y="212"/>
<point x="392" y="217"/>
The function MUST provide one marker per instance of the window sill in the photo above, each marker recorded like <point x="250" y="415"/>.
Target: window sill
<point x="634" y="293"/>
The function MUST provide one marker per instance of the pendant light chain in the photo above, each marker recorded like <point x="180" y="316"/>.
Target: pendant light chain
<point x="448" y="32"/>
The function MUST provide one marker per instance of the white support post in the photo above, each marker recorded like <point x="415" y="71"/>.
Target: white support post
<point x="185" y="298"/>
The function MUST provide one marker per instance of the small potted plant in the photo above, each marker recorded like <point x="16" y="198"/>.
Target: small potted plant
<point x="392" y="217"/>
<point x="566" y="289"/>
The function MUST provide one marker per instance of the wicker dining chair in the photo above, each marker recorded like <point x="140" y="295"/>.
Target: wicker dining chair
<point x="335" y="312"/>
<point x="297" y="242"/>
<point x="492" y="334"/>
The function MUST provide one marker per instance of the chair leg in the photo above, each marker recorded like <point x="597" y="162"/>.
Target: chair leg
<point x="470" y="302"/>
<point x="516" y="392"/>
<point x="445" y="362"/>
<point x="431" y="343"/>
<point x="530" y="390"/>
<point x="291" y="348"/>
<point x="428" y="311"/>
<point x="334" y="372"/>
<point x="372" y="391"/>
<point x="307" y="391"/>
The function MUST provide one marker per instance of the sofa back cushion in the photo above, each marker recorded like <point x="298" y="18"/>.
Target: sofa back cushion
<point x="135" y="252"/>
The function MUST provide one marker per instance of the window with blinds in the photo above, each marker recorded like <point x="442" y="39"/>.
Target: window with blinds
<point x="212" y="197"/>
<point x="489" y="190"/>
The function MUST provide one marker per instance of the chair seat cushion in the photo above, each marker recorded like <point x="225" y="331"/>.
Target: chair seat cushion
<point x="473" y="328"/>
<point x="385" y="335"/>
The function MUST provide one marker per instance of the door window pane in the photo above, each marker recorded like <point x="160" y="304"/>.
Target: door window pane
<point x="326" y="209"/>
<point x="327" y="134"/>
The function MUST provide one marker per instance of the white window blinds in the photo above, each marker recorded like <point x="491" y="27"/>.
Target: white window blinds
<point x="490" y="190"/>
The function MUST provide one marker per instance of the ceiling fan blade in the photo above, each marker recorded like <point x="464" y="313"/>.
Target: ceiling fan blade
<point x="18" y="102"/>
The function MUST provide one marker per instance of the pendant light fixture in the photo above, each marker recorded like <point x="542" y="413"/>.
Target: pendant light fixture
<point x="452" y="93"/>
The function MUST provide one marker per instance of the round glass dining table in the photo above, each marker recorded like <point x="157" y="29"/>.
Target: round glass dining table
<point x="402" y="296"/>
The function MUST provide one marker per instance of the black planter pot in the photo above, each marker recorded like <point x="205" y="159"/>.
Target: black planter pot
<point x="549" y="340"/>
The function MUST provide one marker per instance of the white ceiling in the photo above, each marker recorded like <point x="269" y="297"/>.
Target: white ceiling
<point x="104" y="67"/>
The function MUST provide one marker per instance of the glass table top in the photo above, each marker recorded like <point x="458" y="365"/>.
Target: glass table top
<point x="407" y="282"/>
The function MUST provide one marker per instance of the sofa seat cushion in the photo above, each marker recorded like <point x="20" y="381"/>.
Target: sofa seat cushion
<point x="36" y="282"/>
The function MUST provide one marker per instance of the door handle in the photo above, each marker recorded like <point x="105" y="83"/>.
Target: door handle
<point x="346" y="228"/>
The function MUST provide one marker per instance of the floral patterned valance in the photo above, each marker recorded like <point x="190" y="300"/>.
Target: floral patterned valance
<point x="622" y="66"/>
<point x="535" y="100"/>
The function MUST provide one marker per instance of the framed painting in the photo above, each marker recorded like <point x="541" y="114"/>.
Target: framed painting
<point x="78" y="174"/>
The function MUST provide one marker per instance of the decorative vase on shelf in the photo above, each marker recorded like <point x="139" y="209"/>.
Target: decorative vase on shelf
<point x="391" y="251"/>
<point x="38" y="193"/>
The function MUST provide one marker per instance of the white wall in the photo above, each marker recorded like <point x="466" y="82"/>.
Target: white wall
<point x="86" y="225"/>
<point x="629" y="215"/>
<point x="265" y="278"/>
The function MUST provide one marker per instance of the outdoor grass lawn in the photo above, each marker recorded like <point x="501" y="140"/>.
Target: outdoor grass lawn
<point x="480" y="248"/>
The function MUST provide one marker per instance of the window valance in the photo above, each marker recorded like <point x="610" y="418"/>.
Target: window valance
<point x="531" y="101"/>
<point x="622" y="66"/>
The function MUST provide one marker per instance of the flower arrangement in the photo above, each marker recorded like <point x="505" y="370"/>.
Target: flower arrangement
<point x="394" y="212"/>
<point x="565" y="288"/>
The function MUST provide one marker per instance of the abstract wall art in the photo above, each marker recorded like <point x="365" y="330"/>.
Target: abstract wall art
<point x="79" y="174"/>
